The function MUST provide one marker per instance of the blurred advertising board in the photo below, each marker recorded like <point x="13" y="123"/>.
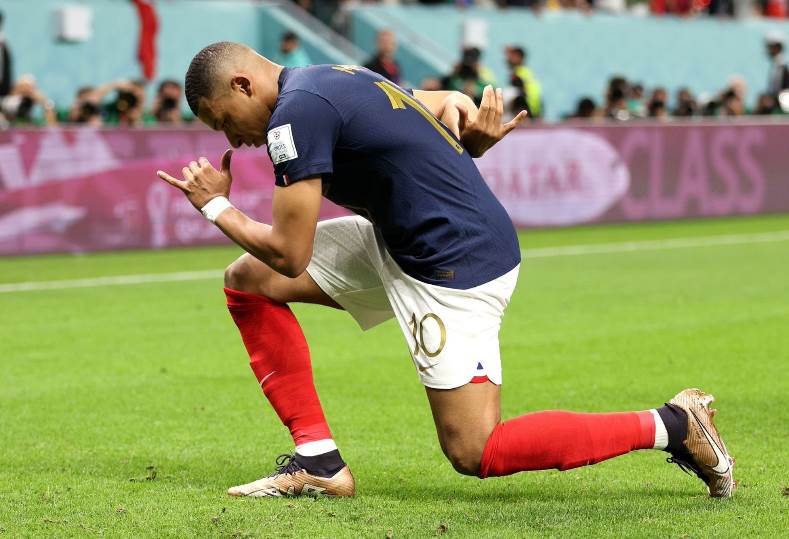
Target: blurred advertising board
<point x="567" y="175"/>
<point x="78" y="190"/>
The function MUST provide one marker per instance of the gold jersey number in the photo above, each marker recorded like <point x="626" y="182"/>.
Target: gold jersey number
<point x="418" y="332"/>
<point x="399" y="100"/>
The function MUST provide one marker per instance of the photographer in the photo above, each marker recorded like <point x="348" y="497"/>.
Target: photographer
<point x="167" y="103"/>
<point x="86" y="109"/>
<point x="127" y="107"/>
<point x="27" y="105"/>
<point x="469" y="76"/>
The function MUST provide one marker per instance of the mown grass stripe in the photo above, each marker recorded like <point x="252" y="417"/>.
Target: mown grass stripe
<point x="542" y="252"/>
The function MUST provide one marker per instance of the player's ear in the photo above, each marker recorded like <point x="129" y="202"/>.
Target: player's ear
<point x="241" y="83"/>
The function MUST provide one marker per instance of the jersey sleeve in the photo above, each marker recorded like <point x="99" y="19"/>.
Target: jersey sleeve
<point x="302" y="134"/>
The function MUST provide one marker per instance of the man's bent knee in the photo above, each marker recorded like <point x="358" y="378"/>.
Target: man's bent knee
<point x="237" y="275"/>
<point x="464" y="447"/>
<point x="247" y="274"/>
<point x="465" y="417"/>
<point x="465" y="459"/>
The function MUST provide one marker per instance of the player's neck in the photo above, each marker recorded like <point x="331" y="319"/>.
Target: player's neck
<point x="271" y="82"/>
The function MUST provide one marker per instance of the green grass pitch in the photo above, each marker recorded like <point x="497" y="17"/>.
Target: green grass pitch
<point x="126" y="411"/>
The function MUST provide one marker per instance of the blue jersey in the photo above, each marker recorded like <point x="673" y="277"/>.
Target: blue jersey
<point x="384" y="156"/>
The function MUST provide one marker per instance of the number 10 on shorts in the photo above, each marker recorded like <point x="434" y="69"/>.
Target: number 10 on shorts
<point x="433" y="326"/>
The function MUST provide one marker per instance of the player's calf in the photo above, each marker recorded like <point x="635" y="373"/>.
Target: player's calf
<point x="279" y="357"/>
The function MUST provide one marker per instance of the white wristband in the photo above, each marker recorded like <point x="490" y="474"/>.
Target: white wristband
<point x="214" y="207"/>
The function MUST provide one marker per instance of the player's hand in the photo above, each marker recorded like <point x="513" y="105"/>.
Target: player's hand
<point x="486" y="130"/>
<point x="201" y="181"/>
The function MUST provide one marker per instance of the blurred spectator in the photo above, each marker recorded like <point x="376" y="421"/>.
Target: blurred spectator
<point x="616" y="99"/>
<point x="6" y="73"/>
<point x="529" y="92"/>
<point x="739" y="86"/>
<point x="721" y="8"/>
<point x="469" y="76"/>
<point x="672" y="7"/>
<point x="657" y="109"/>
<point x="732" y="104"/>
<point x="166" y="107"/>
<point x="86" y="108"/>
<point x="25" y="104"/>
<point x="659" y="94"/>
<point x="635" y="101"/>
<point x="290" y="52"/>
<point x="778" y="77"/>
<point x="586" y="109"/>
<point x="612" y="6"/>
<point x="535" y="5"/>
<point x="766" y="104"/>
<point x="126" y="109"/>
<point x="686" y="104"/>
<point x="384" y="62"/>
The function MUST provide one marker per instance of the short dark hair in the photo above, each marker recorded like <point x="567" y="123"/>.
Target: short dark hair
<point x="168" y="82"/>
<point x="201" y="77"/>
<point x="290" y="36"/>
<point x="520" y="51"/>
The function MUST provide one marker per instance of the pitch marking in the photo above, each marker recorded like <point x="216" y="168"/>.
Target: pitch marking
<point x="656" y="245"/>
<point x="142" y="278"/>
<point x="541" y="252"/>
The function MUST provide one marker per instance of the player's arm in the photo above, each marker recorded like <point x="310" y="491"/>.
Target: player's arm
<point x="286" y="244"/>
<point x="477" y="128"/>
<point x="441" y="102"/>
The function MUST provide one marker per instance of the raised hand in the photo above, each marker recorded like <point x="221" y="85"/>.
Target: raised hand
<point x="201" y="181"/>
<point x="486" y="129"/>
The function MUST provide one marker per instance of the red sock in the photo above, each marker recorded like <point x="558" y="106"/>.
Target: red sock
<point x="280" y="359"/>
<point x="563" y="440"/>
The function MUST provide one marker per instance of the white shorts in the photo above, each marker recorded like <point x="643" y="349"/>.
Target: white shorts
<point x="453" y="335"/>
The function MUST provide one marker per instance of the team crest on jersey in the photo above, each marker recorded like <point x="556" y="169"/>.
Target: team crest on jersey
<point x="281" y="147"/>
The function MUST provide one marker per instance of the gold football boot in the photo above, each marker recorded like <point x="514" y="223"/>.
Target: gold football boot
<point x="704" y="452"/>
<point x="290" y="479"/>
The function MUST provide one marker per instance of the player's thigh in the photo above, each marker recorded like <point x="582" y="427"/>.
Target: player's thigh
<point x="248" y="274"/>
<point x="464" y="418"/>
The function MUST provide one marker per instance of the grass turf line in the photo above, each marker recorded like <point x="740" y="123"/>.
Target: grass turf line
<point x="97" y="385"/>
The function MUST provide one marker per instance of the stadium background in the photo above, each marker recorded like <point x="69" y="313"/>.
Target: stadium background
<point x="125" y="404"/>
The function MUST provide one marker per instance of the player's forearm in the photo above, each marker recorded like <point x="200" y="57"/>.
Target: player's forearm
<point x="261" y="241"/>
<point x="442" y="103"/>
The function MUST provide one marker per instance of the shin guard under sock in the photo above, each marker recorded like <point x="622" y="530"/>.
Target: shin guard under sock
<point x="280" y="359"/>
<point x="563" y="440"/>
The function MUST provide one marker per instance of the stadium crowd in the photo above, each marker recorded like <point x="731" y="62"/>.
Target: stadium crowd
<point x="683" y="8"/>
<point x="627" y="100"/>
<point x="124" y="103"/>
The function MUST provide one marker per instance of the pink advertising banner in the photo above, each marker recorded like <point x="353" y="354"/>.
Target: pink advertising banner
<point x="77" y="190"/>
<point x="569" y="175"/>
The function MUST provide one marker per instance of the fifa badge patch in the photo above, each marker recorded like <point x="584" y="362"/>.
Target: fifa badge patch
<point x="281" y="147"/>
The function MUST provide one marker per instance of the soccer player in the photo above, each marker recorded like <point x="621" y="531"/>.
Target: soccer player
<point x="429" y="245"/>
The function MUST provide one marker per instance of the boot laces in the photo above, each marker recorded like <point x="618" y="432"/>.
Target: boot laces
<point x="286" y="464"/>
<point x="687" y="466"/>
